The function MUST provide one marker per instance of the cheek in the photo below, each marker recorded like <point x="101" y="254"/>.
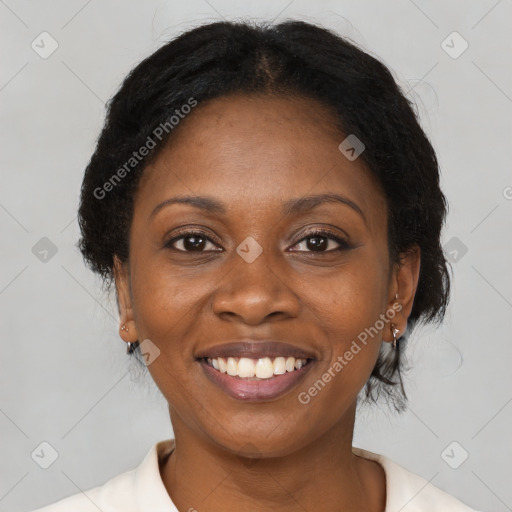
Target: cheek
<point x="166" y="311"/>
<point x="165" y="302"/>
<point x="350" y="300"/>
<point x="349" y="306"/>
<point x="165" y="308"/>
<point x="352" y="307"/>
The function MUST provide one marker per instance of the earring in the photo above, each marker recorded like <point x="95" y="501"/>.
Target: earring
<point x="131" y="347"/>
<point x="394" y="332"/>
<point x="124" y="328"/>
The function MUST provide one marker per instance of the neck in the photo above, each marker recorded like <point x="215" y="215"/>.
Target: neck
<point x="324" y="474"/>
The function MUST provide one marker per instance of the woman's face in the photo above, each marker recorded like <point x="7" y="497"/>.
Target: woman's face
<point x="254" y="269"/>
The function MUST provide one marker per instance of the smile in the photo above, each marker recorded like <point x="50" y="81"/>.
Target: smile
<point x="263" y="368"/>
<point x="260" y="379"/>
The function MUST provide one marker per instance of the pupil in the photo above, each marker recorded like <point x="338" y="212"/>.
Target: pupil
<point x="197" y="243"/>
<point x="317" y="242"/>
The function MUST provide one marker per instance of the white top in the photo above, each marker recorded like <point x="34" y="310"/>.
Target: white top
<point x="142" y="490"/>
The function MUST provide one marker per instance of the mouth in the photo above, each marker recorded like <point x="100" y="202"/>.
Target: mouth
<point x="255" y="380"/>
<point x="256" y="369"/>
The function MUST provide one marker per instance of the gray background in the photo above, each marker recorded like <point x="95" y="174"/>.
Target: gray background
<point x="65" y="378"/>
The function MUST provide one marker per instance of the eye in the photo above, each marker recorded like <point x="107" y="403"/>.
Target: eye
<point x="321" y="241"/>
<point x="315" y="241"/>
<point x="192" y="241"/>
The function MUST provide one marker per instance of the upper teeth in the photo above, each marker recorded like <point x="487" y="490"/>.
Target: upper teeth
<point x="263" y="368"/>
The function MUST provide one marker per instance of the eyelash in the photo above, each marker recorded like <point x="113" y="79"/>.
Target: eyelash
<point x="330" y="235"/>
<point x="343" y="244"/>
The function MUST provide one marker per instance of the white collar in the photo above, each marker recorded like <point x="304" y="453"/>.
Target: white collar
<point x="405" y="491"/>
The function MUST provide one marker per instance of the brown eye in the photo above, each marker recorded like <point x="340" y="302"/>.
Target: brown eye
<point x="321" y="241"/>
<point x="192" y="242"/>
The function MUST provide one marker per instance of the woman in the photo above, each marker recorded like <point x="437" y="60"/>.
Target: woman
<point x="269" y="210"/>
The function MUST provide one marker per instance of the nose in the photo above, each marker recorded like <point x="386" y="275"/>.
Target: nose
<point x="255" y="292"/>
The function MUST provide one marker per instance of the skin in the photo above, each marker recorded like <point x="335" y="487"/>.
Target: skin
<point x="252" y="153"/>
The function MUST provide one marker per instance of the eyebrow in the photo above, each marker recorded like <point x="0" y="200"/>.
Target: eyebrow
<point x="207" y="204"/>
<point x="290" y="207"/>
<point x="304" y="204"/>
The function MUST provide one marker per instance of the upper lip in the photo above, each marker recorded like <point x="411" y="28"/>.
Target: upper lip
<point x="255" y="350"/>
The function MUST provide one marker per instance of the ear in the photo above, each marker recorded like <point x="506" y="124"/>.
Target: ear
<point x="124" y="301"/>
<point x="403" y="286"/>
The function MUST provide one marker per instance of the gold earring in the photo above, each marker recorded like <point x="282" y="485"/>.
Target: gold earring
<point x="394" y="332"/>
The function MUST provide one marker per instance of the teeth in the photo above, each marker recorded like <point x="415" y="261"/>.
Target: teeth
<point x="223" y="367"/>
<point x="246" y="367"/>
<point x="263" y="368"/>
<point x="279" y="365"/>
<point x="232" y="367"/>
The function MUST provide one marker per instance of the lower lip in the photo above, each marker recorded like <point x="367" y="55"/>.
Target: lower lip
<point x="255" y="390"/>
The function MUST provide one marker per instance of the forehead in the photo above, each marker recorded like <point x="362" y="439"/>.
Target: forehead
<point x="258" y="151"/>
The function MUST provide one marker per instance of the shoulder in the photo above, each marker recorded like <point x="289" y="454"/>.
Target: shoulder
<point x="115" y="494"/>
<point x="137" y="490"/>
<point x="408" y="492"/>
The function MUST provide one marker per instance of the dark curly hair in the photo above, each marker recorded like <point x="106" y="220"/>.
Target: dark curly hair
<point x="290" y="58"/>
